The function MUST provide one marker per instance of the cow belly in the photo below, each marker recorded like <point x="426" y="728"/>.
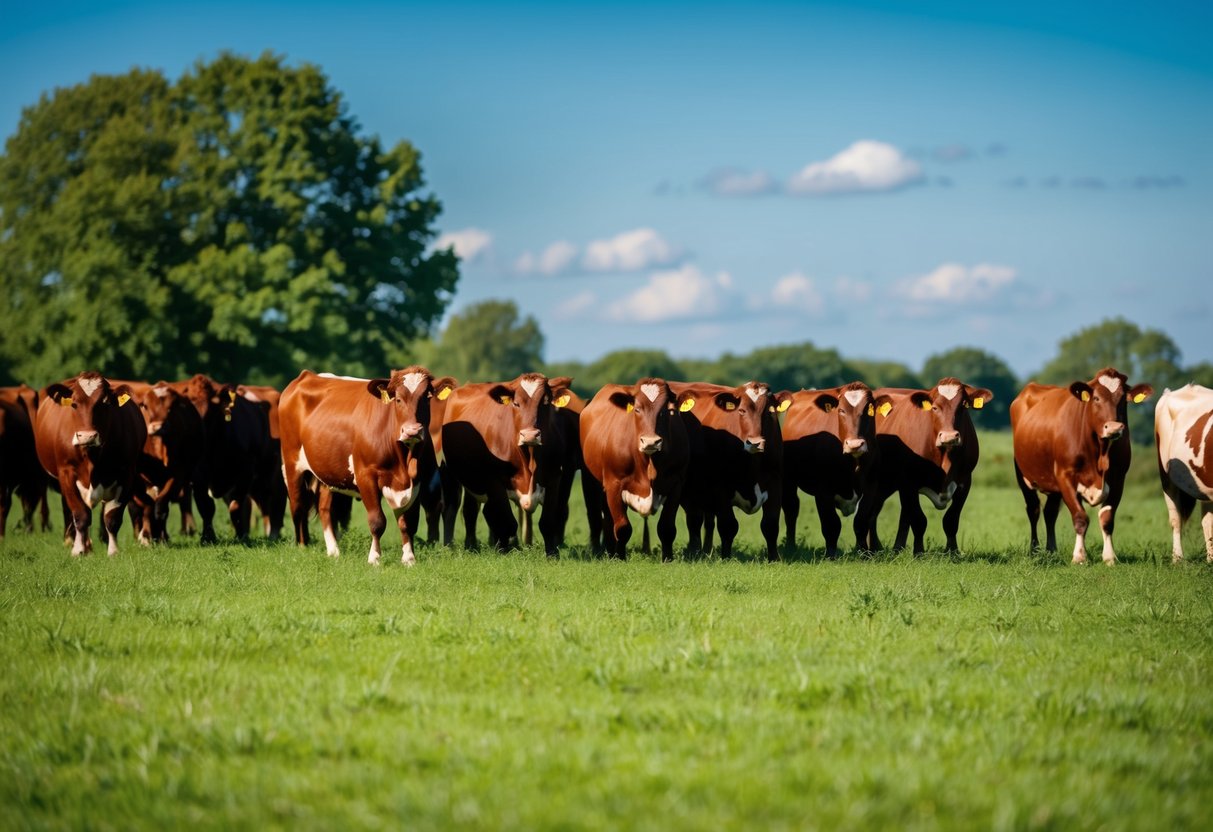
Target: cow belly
<point x="749" y="506"/>
<point x="94" y="494"/>
<point x="1189" y="480"/>
<point x="937" y="499"/>
<point x="644" y="506"/>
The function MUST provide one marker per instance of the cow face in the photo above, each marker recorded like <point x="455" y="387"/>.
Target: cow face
<point x="1105" y="402"/>
<point x="855" y="409"/>
<point x="157" y="403"/>
<point x="532" y="397"/>
<point x="752" y="408"/>
<point x="652" y="405"/>
<point x="94" y="405"/>
<point x="946" y="403"/>
<point x="408" y="392"/>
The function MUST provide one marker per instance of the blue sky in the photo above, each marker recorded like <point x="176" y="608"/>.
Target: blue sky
<point x="889" y="179"/>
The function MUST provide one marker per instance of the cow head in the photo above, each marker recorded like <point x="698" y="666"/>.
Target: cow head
<point x="532" y="397"/>
<point x="212" y="400"/>
<point x="94" y="405"/>
<point x="652" y="405"/>
<point x="157" y="403"/>
<point x="946" y="403"/>
<point x="854" y="406"/>
<point x="753" y="409"/>
<point x="408" y="392"/>
<point x="1105" y="402"/>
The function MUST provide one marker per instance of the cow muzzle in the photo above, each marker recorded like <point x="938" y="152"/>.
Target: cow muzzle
<point x="650" y="445"/>
<point x="530" y="436"/>
<point x="411" y="433"/>
<point x="86" y="439"/>
<point x="855" y="447"/>
<point x="1112" y="431"/>
<point x="755" y="445"/>
<point x="948" y="439"/>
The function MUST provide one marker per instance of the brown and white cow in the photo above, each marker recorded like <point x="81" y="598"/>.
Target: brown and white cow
<point x="269" y="490"/>
<point x="1183" y="434"/>
<point x="174" y="447"/>
<point x="20" y="472"/>
<point x="736" y="461"/>
<point x="89" y="436"/>
<point x="635" y="450"/>
<point x="928" y="446"/>
<point x="830" y="452"/>
<point x="501" y="443"/>
<point x="363" y="436"/>
<point x="1072" y="443"/>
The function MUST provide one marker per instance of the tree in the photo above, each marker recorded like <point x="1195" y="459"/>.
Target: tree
<point x="627" y="367"/>
<point x="1201" y="373"/>
<point x="1143" y="355"/>
<point x="884" y="373"/>
<point x="488" y="341"/>
<point x="233" y="222"/>
<point x="977" y="368"/>
<point x="787" y="367"/>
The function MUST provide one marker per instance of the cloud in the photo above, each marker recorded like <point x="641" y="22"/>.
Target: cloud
<point x="685" y="293"/>
<point x="631" y="251"/>
<point x="557" y="258"/>
<point x="796" y="292"/>
<point x="734" y="182"/>
<point x="953" y="285"/>
<point x="470" y="244"/>
<point x="864" y="167"/>
<point x="577" y="306"/>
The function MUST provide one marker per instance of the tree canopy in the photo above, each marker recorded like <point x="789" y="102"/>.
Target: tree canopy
<point x="233" y="221"/>
<point x="977" y="368"/>
<point x="487" y="341"/>
<point x="1143" y="355"/>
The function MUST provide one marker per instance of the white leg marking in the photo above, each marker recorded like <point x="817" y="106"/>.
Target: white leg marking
<point x="1080" y="550"/>
<point x="407" y="557"/>
<point x="1206" y="525"/>
<point x="1177" y="548"/>
<point x="373" y="557"/>
<point x="78" y="546"/>
<point x="330" y="542"/>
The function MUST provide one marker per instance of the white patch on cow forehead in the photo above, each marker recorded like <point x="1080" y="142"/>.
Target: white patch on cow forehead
<point x="412" y="381"/>
<point x="854" y="397"/>
<point x="755" y="393"/>
<point x="89" y="386"/>
<point x="949" y="391"/>
<point x="650" y="390"/>
<point x="530" y="385"/>
<point x="1110" y="382"/>
<point x="162" y="392"/>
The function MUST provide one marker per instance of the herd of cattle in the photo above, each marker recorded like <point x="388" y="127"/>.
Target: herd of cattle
<point x="653" y="447"/>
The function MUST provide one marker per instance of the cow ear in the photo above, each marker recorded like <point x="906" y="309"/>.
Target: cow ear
<point x="442" y="387"/>
<point x="122" y="393"/>
<point x="1140" y="393"/>
<point x="883" y="404"/>
<point x="726" y="401"/>
<point x="1081" y="390"/>
<point x="686" y="402"/>
<point x="622" y="400"/>
<point x="978" y="396"/>
<point x="377" y="387"/>
<point x="922" y="400"/>
<point x="60" y="394"/>
<point x="826" y="402"/>
<point x="502" y="394"/>
<point x="559" y="388"/>
<point x="780" y="402"/>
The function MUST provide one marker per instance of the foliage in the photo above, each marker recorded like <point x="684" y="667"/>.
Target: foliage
<point x="1201" y="373"/>
<point x="1143" y="355"/>
<point x="884" y="373"/>
<point x="977" y="368"/>
<point x="626" y="367"/>
<point x="787" y="367"/>
<point x="233" y="221"/>
<point x="488" y="341"/>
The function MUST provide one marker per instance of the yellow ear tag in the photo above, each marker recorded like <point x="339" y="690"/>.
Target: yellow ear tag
<point x="871" y="410"/>
<point x="784" y="405"/>
<point x="443" y="393"/>
<point x="563" y="401"/>
<point x="123" y="399"/>
<point x="1139" y="398"/>
<point x="730" y="406"/>
<point x="232" y="395"/>
<point x="66" y="401"/>
<point x="926" y="405"/>
<point x="1086" y="397"/>
<point x="979" y="402"/>
<point x="227" y="415"/>
<point x="630" y="407"/>
<point x="885" y="408"/>
<point x="828" y="408"/>
<point x="689" y="404"/>
<point x="506" y="400"/>
<point x="384" y="396"/>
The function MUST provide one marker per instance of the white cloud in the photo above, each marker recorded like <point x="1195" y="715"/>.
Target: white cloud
<point x="954" y="283"/>
<point x="631" y="251"/>
<point x="797" y="292"/>
<point x="679" y="294"/>
<point x="733" y="182"/>
<point x="865" y="166"/>
<point x="577" y="305"/>
<point x="557" y="258"/>
<point x="470" y="244"/>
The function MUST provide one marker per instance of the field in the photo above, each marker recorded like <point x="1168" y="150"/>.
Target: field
<point x="264" y="686"/>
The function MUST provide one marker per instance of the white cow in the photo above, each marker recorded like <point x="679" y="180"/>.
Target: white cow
<point x="1183" y="425"/>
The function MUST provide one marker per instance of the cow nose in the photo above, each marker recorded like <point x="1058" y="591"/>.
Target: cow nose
<point x="855" y="447"/>
<point x="86" y="438"/>
<point x="755" y="445"/>
<point x="1112" y="430"/>
<point x="410" y="433"/>
<point x="530" y="436"/>
<point x="948" y="439"/>
<point x="650" y="444"/>
<point x="154" y="428"/>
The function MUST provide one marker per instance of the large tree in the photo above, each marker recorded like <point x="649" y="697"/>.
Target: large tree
<point x="977" y="368"/>
<point x="1143" y="355"/>
<point x="487" y="341"/>
<point x="233" y="222"/>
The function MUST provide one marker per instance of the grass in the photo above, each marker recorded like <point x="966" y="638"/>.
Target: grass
<point x="264" y="686"/>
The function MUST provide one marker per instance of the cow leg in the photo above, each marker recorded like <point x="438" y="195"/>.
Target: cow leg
<point x="727" y="523"/>
<point x="241" y="513"/>
<point x="709" y="531"/>
<point x="300" y="497"/>
<point x="592" y="495"/>
<point x="407" y="520"/>
<point x="770" y="526"/>
<point x="1070" y="496"/>
<point x="951" y="518"/>
<point x="1031" y="504"/>
<point x="503" y="528"/>
<point x="620" y="527"/>
<point x="376" y="521"/>
<point x="111" y="516"/>
<point x="667" y="528"/>
<point x="206" y="511"/>
<point x="831" y="524"/>
<point x="324" y="510"/>
<point x="527" y="527"/>
<point x="551" y="527"/>
<point x="187" y="512"/>
<point x="6" y="503"/>
<point x="1206" y="526"/>
<point x="1052" y="509"/>
<point x="873" y="518"/>
<point x="69" y="521"/>
<point x="695" y="523"/>
<point x="791" y="516"/>
<point x="452" y="493"/>
<point x="912" y="518"/>
<point x="1107" y="524"/>
<point x="471" y="514"/>
<point x="1176" y="514"/>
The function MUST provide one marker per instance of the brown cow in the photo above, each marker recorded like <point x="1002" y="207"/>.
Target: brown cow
<point x="171" y="454"/>
<point x="363" y="436"/>
<point x="830" y="451"/>
<point x="20" y="472"/>
<point x="636" y="452"/>
<point x="269" y="489"/>
<point x="502" y="443"/>
<point x="736" y="461"/>
<point x="928" y="446"/>
<point x="1073" y="444"/>
<point x="89" y="435"/>
<point x="1183" y="434"/>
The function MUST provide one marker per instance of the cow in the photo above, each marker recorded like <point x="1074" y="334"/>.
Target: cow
<point x="928" y="446"/>
<point x="237" y="444"/>
<point x="89" y="435"/>
<point x="830" y="452"/>
<point x="736" y="461"/>
<point x="1072" y="443"/>
<point x="269" y="489"/>
<point x="1183" y="434"/>
<point x="363" y="436"/>
<point x="20" y="472"/>
<point x="173" y="450"/>
<point x="501" y="443"/>
<point x="636" y="452"/>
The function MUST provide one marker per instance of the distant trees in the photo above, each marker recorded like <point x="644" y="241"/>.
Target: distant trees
<point x="1143" y="355"/>
<point x="233" y="221"/>
<point x="977" y="368"/>
<point x="487" y="341"/>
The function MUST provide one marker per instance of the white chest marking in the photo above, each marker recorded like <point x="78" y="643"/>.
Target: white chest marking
<point x="747" y="505"/>
<point x="948" y="391"/>
<point x="1094" y="496"/>
<point x="939" y="500"/>
<point x="530" y="385"/>
<point x="412" y="381"/>
<point x="399" y="500"/>
<point x="651" y="391"/>
<point x="644" y="506"/>
<point x="528" y="502"/>
<point x="854" y="397"/>
<point x="301" y="464"/>
<point x="94" y="494"/>
<point x="1110" y="382"/>
<point x="89" y="386"/>
<point x="846" y="504"/>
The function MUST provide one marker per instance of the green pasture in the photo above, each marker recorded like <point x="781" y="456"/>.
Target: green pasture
<point x="263" y="686"/>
